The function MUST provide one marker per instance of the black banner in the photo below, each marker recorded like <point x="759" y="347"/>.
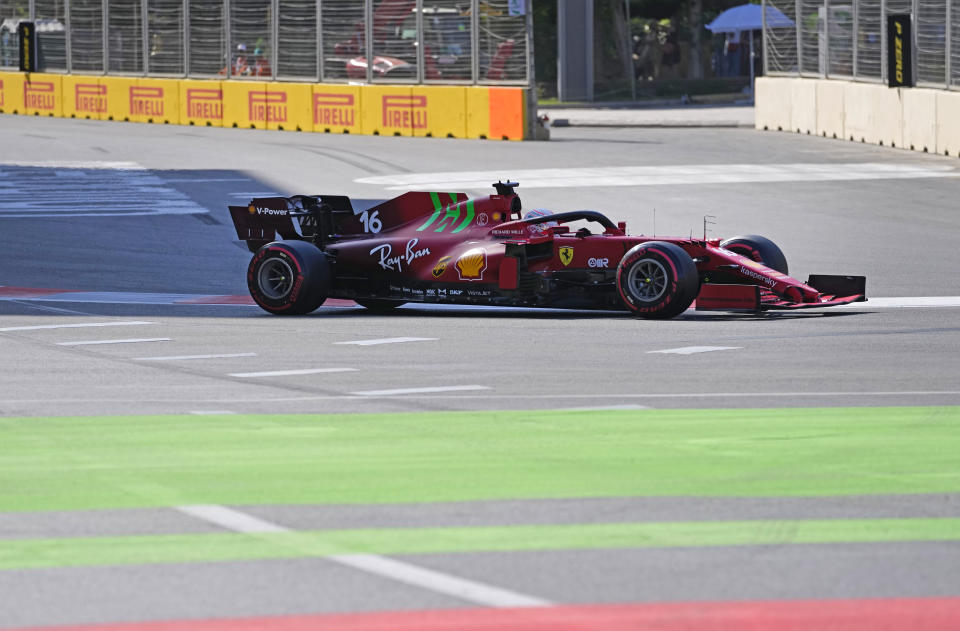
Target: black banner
<point x="27" y="31"/>
<point x="899" y="51"/>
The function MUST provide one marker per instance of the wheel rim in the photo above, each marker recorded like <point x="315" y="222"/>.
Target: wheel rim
<point x="275" y="279"/>
<point x="647" y="280"/>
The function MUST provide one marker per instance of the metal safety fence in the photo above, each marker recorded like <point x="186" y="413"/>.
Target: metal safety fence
<point x="373" y="41"/>
<point x="847" y="39"/>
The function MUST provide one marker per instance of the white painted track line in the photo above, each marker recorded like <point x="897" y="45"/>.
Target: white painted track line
<point x="129" y="341"/>
<point x="691" y="350"/>
<point x="170" y="358"/>
<point x="400" y="571"/>
<point x="435" y="389"/>
<point x="83" y="325"/>
<point x="290" y="373"/>
<point x="230" y="519"/>
<point x="471" y="591"/>
<point x="389" y="340"/>
<point x="903" y="303"/>
<point x="664" y="175"/>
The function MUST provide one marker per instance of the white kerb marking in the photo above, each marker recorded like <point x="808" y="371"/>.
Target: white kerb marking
<point x="40" y="327"/>
<point x="399" y="571"/>
<point x="289" y="373"/>
<point x="690" y="350"/>
<point x="211" y="412"/>
<point x="389" y="340"/>
<point x="130" y="341"/>
<point x="429" y="390"/>
<point x="184" y="357"/>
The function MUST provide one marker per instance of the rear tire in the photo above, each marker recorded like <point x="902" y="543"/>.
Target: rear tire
<point x="759" y="249"/>
<point x="289" y="277"/>
<point x="657" y="280"/>
<point x="379" y="305"/>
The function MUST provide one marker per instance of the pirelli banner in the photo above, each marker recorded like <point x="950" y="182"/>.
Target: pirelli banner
<point x="438" y="111"/>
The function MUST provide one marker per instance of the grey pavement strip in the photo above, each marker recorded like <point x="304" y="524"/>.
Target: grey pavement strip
<point x="157" y="521"/>
<point x="406" y="573"/>
<point x="238" y="589"/>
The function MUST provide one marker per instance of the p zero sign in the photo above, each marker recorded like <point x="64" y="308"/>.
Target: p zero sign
<point x="27" y="32"/>
<point x="899" y="51"/>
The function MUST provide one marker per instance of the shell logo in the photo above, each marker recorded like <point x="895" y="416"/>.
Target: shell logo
<point x="472" y="264"/>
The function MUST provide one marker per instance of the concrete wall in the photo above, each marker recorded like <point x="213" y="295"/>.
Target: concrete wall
<point x="913" y="118"/>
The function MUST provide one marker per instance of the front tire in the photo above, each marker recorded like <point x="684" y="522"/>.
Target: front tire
<point x="289" y="277"/>
<point x="657" y="280"/>
<point x="759" y="249"/>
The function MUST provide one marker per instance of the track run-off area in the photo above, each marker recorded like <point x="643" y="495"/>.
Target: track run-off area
<point x="172" y="457"/>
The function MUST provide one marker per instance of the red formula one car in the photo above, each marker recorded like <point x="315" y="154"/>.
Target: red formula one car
<point x="445" y="248"/>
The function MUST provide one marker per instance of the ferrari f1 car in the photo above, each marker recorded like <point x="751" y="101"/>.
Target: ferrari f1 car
<point x="444" y="248"/>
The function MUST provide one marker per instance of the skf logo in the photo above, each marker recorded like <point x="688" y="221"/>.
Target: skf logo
<point x="405" y="111"/>
<point x="146" y="101"/>
<point x="204" y="103"/>
<point x="334" y="109"/>
<point x="39" y="95"/>
<point x="90" y="98"/>
<point x="598" y="262"/>
<point x="268" y="107"/>
<point x="472" y="264"/>
<point x="566" y="255"/>
<point x="440" y="267"/>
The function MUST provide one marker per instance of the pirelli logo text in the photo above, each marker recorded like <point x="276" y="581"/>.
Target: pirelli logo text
<point x="334" y="109"/>
<point x="1" y="92"/>
<point x="267" y="107"/>
<point x="405" y="111"/>
<point x="146" y="101"/>
<point x="205" y="103"/>
<point x="90" y="98"/>
<point x="40" y="95"/>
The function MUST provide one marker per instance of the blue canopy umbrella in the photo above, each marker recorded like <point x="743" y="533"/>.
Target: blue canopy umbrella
<point x="749" y="17"/>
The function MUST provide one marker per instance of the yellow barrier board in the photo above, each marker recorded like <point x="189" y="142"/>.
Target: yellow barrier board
<point x="478" y="112"/>
<point x="286" y="106"/>
<point x="117" y="90"/>
<point x="245" y="104"/>
<point x="154" y="101"/>
<point x="446" y="111"/>
<point x="11" y="93"/>
<point x="392" y="111"/>
<point x="42" y="94"/>
<point x="439" y="111"/>
<point x="82" y="97"/>
<point x="201" y="103"/>
<point x="337" y="108"/>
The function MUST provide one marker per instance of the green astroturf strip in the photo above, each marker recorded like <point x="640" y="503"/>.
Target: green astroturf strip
<point x="37" y="553"/>
<point x="114" y="462"/>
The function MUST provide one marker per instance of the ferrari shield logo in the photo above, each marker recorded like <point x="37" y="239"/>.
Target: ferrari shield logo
<point x="566" y="255"/>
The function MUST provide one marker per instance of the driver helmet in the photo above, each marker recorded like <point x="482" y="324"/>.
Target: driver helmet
<point x="541" y="212"/>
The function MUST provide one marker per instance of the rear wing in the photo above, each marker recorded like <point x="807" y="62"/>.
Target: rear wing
<point x="301" y="217"/>
<point x="325" y="218"/>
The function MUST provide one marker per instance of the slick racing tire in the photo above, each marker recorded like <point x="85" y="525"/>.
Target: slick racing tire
<point x="657" y="280"/>
<point x="289" y="277"/>
<point x="759" y="249"/>
<point x="378" y="305"/>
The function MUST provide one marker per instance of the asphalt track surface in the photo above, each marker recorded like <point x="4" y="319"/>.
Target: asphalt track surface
<point x="134" y="239"/>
